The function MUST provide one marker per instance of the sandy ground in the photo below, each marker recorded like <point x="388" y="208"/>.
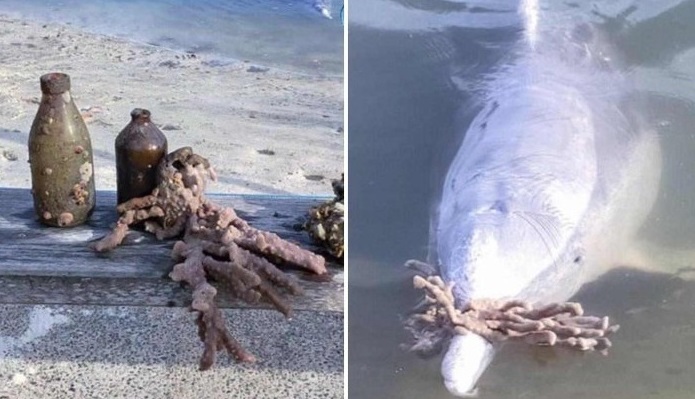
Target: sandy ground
<point x="266" y="131"/>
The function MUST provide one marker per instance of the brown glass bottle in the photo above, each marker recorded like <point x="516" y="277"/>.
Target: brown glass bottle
<point x="139" y="148"/>
<point x="60" y="154"/>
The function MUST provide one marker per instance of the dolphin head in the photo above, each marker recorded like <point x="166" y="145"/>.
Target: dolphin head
<point x="465" y="361"/>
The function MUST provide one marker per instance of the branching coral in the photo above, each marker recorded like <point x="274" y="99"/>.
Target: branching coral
<point x="325" y="224"/>
<point x="436" y="319"/>
<point x="216" y="244"/>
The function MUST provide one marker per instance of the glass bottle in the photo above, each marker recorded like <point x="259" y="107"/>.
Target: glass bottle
<point x="139" y="148"/>
<point x="60" y="154"/>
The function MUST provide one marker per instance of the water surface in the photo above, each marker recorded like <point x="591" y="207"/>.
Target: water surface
<point x="290" y="34"/>
<point x="413" y="68"/>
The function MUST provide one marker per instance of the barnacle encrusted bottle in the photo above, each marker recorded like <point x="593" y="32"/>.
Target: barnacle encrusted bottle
<point x="60" y="154"/>
<point x="139" y="148"/>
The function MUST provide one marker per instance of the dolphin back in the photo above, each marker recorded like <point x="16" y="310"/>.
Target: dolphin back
<point x="539" y="158"/>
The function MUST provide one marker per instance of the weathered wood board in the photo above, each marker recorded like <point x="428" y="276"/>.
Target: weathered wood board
<point x="40" y="264"/>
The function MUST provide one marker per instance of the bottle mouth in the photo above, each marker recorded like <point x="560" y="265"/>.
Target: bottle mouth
<point x="140" y="114"/>
<point x="55" y="83"/>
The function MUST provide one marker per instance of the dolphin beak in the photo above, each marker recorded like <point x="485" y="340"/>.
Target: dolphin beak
<point x="465" y="360"/>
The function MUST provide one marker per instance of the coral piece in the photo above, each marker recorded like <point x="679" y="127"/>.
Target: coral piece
<point x="325" y="224"/>
<point x="216" y="244"/>
<point x="436" y="319"/>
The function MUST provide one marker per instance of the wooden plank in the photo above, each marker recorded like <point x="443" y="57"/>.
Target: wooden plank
<point x="40" y="264"/>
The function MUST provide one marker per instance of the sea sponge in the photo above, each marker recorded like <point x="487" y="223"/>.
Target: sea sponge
<point x="215" y="244"/>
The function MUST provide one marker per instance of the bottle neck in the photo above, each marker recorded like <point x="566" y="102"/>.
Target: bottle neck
<point x="55" y="83"/>
<point x="140" y="116"/>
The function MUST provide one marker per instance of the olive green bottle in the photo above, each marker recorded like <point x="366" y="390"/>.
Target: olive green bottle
<point x="139" y="148"/>
<point x="60" y="154"/>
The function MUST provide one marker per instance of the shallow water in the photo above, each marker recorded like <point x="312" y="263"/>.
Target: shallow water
<point x="289" y="34"/>
<point x="412" y="68"/>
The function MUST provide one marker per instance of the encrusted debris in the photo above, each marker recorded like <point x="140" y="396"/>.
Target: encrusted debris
<point x="215" y="244"/>
<point x="325" y="223"/>
<point x="436" y="319"/>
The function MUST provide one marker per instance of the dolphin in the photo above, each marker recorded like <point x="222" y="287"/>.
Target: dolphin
<point x="553" y="179"/>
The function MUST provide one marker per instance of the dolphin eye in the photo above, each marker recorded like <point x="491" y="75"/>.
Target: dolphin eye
<point x="499" y="206"/>
<point x="578" y="259"/>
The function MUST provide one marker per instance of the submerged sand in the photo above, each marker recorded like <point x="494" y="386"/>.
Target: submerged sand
<point x="266" y="130"/>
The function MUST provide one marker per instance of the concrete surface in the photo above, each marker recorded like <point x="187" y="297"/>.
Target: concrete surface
<point x="152" y="352"/>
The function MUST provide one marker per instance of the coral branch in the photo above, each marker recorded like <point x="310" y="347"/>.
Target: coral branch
<point x="436" y="319"/>
<point x="213" y="332"/>
<point x="129" y="217"/>
<point x="216" y="245"/>
<point x="274" y="247"/>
